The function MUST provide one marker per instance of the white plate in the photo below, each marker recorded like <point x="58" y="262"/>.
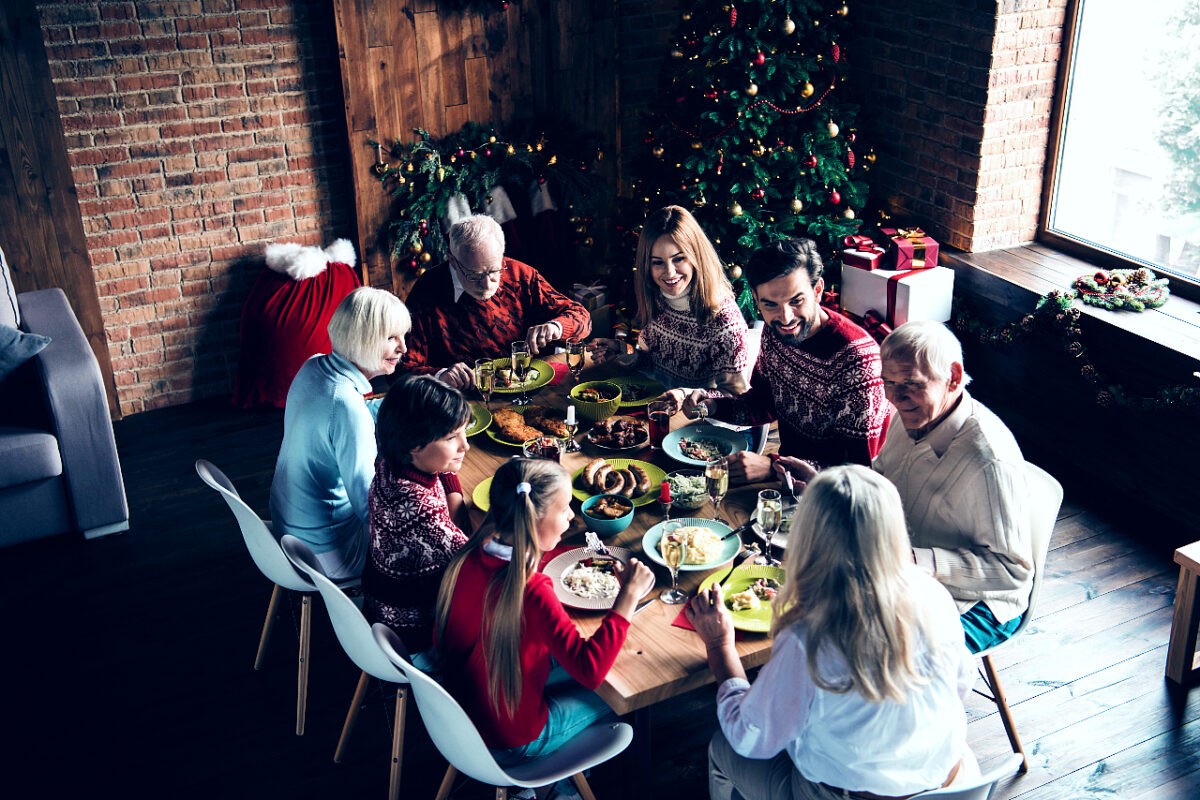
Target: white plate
<point x="559" y="566"/>
<point x="733" y="441"/>
<point x="731" y="545"/>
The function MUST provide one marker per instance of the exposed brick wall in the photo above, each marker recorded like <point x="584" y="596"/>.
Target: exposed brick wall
<point x="957" y="104"/>
<point x="199" y="131"/>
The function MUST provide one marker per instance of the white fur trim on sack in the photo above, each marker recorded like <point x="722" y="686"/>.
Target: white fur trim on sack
<point x="300" y="262"/>
<point x="500" y="207"/>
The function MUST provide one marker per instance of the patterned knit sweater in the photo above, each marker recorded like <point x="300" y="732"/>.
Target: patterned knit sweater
<point x="412" y="541"/>
<point x="445" y="333"/>
<point x="826" y="393"/>
<point x="688" y="352"/>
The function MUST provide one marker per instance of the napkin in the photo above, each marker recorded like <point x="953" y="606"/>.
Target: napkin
<point x="681" y="621"/>
<point x="560" y="372"/>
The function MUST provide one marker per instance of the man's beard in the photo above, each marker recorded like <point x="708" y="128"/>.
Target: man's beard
<point x="796" y="338"/>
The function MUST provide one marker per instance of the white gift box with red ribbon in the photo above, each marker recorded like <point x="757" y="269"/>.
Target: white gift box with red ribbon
<point x="899" y="295"/>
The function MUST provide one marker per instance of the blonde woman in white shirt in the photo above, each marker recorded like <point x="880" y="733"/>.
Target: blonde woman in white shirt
<point x="863" y="695"/>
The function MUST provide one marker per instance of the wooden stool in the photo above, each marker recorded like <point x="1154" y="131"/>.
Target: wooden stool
<point x="1181" y="652"/>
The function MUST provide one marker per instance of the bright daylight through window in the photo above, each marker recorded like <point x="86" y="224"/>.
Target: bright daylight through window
<point x="1128" y="165"/>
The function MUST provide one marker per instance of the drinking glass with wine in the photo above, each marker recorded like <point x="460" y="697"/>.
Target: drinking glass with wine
<point x="575" y="357"/>
<point x="520" y="369"/>
<point x="673" y="547"/>
<point x="485" y="378"/>
<point x="659" y="414"/>
<point x="769" y="515"/>
<point x="716" y="474"/>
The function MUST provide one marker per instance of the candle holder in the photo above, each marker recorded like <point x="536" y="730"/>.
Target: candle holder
<point x="664" y="500"/>
<point x="572" y="423"/>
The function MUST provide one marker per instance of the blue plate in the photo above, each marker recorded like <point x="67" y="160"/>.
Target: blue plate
<point x="729" y="547"/>
<point x="729" y="441"/>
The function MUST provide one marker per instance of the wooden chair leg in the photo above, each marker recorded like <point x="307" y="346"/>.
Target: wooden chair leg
<point x="397" y="742"/>
<point x="302" y="669"/>
<point x="1005" y="715"/>
<point x="1181" y="647"/>
<point x="268" y="623"/>
<point x="447" y="783"/>
<point x="581" y="783"/>
<point x="501" y="793"/>
<point x="360" y="691"/>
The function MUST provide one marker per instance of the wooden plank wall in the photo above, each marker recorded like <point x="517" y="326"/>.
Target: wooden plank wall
<point x="417" y="65"/>
<point x="41" y="229"/>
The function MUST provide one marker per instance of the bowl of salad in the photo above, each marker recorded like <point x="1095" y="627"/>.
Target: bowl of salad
<point x="688" y="489"/>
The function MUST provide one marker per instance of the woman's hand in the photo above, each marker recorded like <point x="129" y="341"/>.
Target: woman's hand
<point x="636" y="580"/>
<point x="708" y="616"/>
<point x="603" y="350"/>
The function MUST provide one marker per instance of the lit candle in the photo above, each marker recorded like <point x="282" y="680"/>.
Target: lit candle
<point x="664" y="492"/>
<point x="570" y="415"/>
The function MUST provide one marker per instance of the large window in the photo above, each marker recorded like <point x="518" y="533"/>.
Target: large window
<point x="1125" y="166"/>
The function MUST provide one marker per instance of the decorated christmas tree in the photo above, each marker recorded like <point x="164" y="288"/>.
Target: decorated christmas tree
<point x="755" y="134"/>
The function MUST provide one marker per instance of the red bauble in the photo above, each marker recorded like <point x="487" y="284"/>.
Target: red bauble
<point x="837" y="53"/>
<point x="711" y="94"/>
<point x="850" y="159"/>
<point x="758" y="193"/>
<point x="810" y="161"/>
<point x="760" y="58"/>
<point x="834" y="198"/>
<point x="732" y="16"/>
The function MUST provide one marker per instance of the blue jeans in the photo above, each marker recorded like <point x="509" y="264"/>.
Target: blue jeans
<point x="572" y="708"/>
<point x="983" y="630"/>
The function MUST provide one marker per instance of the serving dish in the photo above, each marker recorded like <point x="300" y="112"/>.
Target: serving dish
<point x="655" y="474"/>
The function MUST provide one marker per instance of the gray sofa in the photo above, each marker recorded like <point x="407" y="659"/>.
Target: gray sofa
<point x="59" y="471"/>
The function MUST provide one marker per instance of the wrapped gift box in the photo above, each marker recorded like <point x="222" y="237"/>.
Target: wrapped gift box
<point x="591" y="297"/>
<point x="862" y="253"/>
<point x="910" y="248"/>
<point x="899" y="295"/>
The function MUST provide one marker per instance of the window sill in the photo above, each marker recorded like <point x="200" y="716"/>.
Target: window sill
<point x="1038" y="269"/>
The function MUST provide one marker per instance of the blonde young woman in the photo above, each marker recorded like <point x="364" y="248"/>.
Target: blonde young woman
<point x="863" y="695"/>
<point x="692" y="333"/>
<point x="508" y="651"/>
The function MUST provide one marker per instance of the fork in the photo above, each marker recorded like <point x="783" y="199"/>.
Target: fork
<point x="592" y="540"/>
<point x="738" y="560"/>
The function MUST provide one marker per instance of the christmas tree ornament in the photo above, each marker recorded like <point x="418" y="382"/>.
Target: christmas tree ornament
<point x="870" y="156"/>
<point x="810" y="160"/>
<point x="696" y="145"/>
<point x="441" y="174"/>
<point x="760" y="58"/>
<point x="732" y="15"/>
<point x="752" y="89"/>
<point x="833" y="129"/>
<point x="415" y="247"/>
<point x="843" y="11"/>
<point x="849" y="159"/>
<point x="789" y="27"/>
<point x="735" y="272"/>
<point x="759" y="151"/>
<point x="835" y="50"/>
<point x="848" y="213"/>
<point x="797" y="206"/>
<point x="807" y="90"/>
<point x="834" y="197"/>
<point x="758" y="193"/>
<point x="425" y="258"/>
<point x="735" y="209"/>
<point x="420" y="272"/>
<point x="658" y="151"/>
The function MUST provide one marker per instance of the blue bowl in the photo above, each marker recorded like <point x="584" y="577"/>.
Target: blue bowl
<point x="603" y="525"/>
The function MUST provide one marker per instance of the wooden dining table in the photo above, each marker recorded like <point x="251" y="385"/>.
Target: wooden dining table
<point x="659" y="659"/>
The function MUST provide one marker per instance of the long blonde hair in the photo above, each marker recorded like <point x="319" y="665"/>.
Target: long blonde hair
<point x="710" y="288"/>
<point x="514" y="513"/>
<point x="847" y="583"/>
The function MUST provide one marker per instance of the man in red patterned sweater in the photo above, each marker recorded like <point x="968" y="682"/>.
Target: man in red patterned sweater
<point x="817" y="373"/>
<point x="479" y="302"/>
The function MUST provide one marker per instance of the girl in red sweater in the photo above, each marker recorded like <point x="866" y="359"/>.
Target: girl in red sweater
<point x="509" y="653"/>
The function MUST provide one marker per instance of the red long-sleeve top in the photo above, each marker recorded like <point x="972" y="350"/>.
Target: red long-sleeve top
<point x="546" y="631"/>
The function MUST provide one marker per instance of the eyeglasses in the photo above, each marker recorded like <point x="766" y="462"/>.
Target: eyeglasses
<point x="478" y="278"/>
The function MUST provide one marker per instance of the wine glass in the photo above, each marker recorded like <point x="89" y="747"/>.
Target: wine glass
<point x="575" y="357"/>
<point x="485" y="378"/>
<point x="716" y="473"/>
<point x="769" y="514"/>
<point x="520" y="369"/>
<point x="673" y="547"/>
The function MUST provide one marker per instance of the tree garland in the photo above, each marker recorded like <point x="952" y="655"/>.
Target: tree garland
<point x="1117" y="289"/>
<point x="1055" y="313"/>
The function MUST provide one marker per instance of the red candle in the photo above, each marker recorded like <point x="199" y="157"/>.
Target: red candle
<point x="664" y="492"/>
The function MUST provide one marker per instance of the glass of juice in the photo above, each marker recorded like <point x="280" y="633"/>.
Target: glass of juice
<point x="659" y="414"/>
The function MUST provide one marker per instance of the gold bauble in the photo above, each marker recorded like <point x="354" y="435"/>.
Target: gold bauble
<point x="870" y="156"/>
<point x="759" y="151"/>
<point x="424" y="258"/>
<point x="848" y="213"/>
<point x="415" y="247"/>
<point x="789" y="27"/>
<point x="492" y="139"/>
<point x="735" y="272"/>
<point x="441" y="174"/>
<point x="807" y="90"/>
<point x="752" y="89"/>
<point x="658" y="151"/>
<point x="697" y="144"/>
<point x="797" y="206"/>
<point x="736" y="209"/>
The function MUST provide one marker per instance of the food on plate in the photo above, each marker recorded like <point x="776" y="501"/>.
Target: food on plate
<point x="588" y="476"/>
<point x="619" y="432"/>
<point x="547" y="420"/>
<point x="593" y="578"/>
<point x="688" y="490"/>
<point x="745" y="600"/>
<point x="593" y="395"/>
<point x="610" y="507"/>
<point x="765" y="589"/>
<point x="703" y="449"/>
<point x="506" y="380"/>
<point x="623" y="483"/>
<point x="641" y="478"/>
<point x="701" y="545"/>
<point x="601" y="477"/>
<point x="635" y="391"/>
<point x="512" y="427"/>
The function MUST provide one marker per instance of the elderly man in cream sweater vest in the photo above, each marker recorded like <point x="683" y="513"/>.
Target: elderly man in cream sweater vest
<point x="961" y="477"/>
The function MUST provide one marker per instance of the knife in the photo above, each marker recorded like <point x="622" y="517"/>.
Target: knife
<point x="749" y="526"/>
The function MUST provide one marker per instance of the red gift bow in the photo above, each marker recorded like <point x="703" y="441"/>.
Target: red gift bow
<point x="876" y="325"/>
<point x="862" y="243"/>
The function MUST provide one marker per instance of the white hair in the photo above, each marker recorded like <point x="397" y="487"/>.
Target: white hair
<point x="930" y="346"/>
<point x="363" y="320"/>
<point x="475" y="233"/>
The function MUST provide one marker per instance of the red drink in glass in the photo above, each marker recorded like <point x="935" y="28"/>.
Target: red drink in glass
<point x="659" y="414"/>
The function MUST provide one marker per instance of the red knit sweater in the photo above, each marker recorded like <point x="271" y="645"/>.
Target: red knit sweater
<point x="445" y="333"/>
<point x="547" y="632"/>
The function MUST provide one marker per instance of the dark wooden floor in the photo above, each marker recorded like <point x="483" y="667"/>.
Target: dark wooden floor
<point x="127" y="665"/>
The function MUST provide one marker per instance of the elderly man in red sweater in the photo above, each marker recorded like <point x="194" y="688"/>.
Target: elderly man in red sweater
<point x="479" y="302"/>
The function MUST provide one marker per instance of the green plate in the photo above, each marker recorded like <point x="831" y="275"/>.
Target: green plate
<point x="495" y="436"/>
<point x="480" y="494"/>
<point x="729" y="547"/>
<point x="757" y="620"/>
<point x="648" y="388"/>
<point x="657" y="476"/>
<point x="481" y="418"/>
<point x="544" y="374"/>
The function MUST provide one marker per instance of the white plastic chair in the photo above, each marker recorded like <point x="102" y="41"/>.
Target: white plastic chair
<point x="461" y="745"/>
<point x="1045" y="498"/>
<point x="981" y="788"/>
<point x="272" y="563"/>
<point x="354" y="633"/>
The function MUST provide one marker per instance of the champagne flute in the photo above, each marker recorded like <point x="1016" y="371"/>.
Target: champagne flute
<point x="485" y="378"/>
<point x="769" y="515"/>
<point x="520" y="369"/>
<point x="575" y="357"/>
<point x="716" y="473"/>
<point x="674" y="550"/>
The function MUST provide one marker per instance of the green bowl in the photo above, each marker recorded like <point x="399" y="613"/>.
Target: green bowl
<point x="592" y="411"/>
<point x="603" y="525"/>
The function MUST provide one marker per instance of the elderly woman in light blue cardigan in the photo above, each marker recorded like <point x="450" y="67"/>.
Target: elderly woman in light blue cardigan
<point x="327" y="459"/>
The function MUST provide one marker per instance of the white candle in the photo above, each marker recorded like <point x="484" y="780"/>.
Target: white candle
<point x="570" y="415"/>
